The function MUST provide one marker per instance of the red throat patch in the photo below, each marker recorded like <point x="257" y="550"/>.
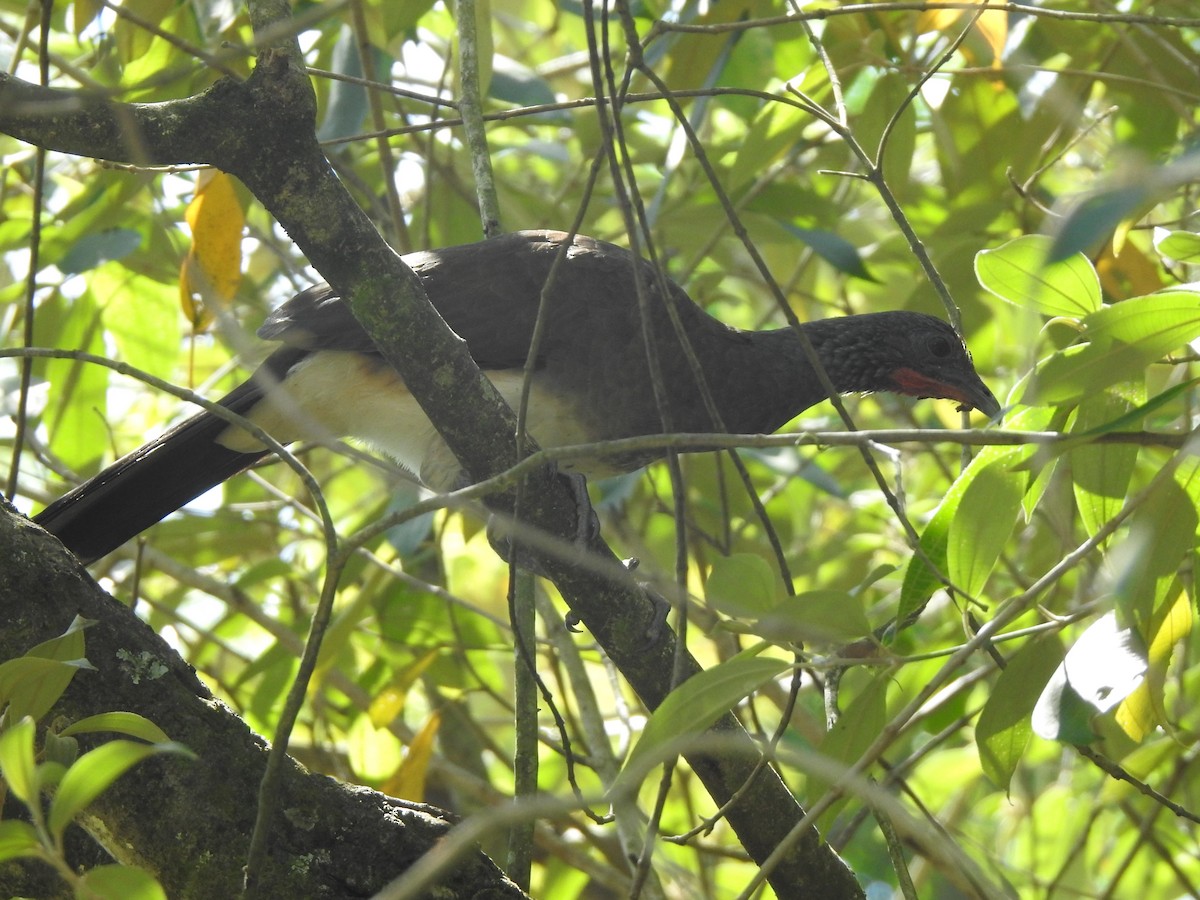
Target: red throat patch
<point x="909" y="381"/>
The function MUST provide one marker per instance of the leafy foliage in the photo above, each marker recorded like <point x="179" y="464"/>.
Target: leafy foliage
<point x="32" y="684"/>
<point x="1042" y="164"/>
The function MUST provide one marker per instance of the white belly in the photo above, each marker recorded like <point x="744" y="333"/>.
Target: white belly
<point x="337" y="394"/>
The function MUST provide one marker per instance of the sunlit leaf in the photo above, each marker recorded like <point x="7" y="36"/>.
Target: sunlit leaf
<point x="67" y="646"/>
<point x="17" y="763"/>
<point x="1123" y="340"/>
<point x="1160" y="532"/>
<point x="75" y="417"/>
<point x="1154" y="324"/>
<point x="1134" y="418"/>
<point x="83" y="13"/>
<point x="409" y="779"/>
<point x="117" y="882"/>
<point x="982" y="523"/>
<point x="374" y="753"/>
<point x="692" y="707"/>
<point x="919" y="581"/>
<point x="388" y="704"/>
<point x="142" y="316"/>
<point x="31" y="685"/>
<point x="1103" y="667"/>
<point x="1143" y="711"/>
<point x="211" y="273"/>
<point x="856" y="729"/>
<point x="773" y="131"/>
<point x="1019" y="273"/>
<point x="1100" y="472"/>
<point x="127" y="723"/>
<point x="1181" y="246"/>
<point x="94" y="772"/>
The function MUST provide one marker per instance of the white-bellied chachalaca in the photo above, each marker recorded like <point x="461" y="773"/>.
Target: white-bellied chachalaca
<point x="592" y="381"/>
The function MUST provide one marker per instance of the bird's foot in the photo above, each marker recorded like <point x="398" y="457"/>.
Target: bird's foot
<point x="658" y="619"/>
<point x="509" y="545"/>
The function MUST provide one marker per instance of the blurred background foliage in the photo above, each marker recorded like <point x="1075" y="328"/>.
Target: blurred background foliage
<point x="1075" y="123"/>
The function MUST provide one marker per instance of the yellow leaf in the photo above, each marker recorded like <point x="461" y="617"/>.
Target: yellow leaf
<point x="84" y="13"/>
<point x="1142" y="710"/>
<point x="389" y="703"/>
<point x="409" y="780"/>
<point x="211" y="273"/>
<point x="935" y="19"/>
<point x="992" y="28"/>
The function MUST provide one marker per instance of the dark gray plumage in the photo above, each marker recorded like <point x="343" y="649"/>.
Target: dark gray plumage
<point x="592" y="381"/>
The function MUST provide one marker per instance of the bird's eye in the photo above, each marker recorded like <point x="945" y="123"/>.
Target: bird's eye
<point x="939" y="347"/>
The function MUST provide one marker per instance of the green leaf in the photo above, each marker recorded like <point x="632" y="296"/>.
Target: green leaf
<point x="17" y="762"/>
<point x="1181" y="246"/>
<point x="1100" y="472"/>
<point x="74" y="418"/>
<point x="855" y="731"/>
<point x="1154" y="324"/>
<point x="919" y="581"/>
<point x="99" y="247"/>
<point x="18" y="839"/>
<point x="1133" y="418"/>
<point x="816" y="616"/>
<point x="1124" y="339"/>
<point x="774" y="131"/>
<point x="1085" y="228"/>
<point x="1076" y="371"/>
<point x="835" y="250"/>
<point x="520" y="85"/>
<point x="120" y="722"/>
<point x="888" y="94"/>
<point x="142" y="318"/>
<point x="347" y="106"/>
<point x="1018" y="272"/>
<point x="694" y="706"/>
<point x="982" y="523"/>
<point x="31" y="685"/>
<point x="58" y="749"/>
<point x="1004" y="726"/>
<point x="117" y="882"/>
<point x="1161" y="531"/>
<point x="68" y="645"/>
<point x="94" y="772"/>
<point x="743" y="585"/>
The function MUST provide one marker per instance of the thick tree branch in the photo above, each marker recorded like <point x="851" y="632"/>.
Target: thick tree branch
<point x="188" y="821"/>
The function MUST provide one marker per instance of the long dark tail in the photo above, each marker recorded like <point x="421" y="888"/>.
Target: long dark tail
<point x="147" y="485"/>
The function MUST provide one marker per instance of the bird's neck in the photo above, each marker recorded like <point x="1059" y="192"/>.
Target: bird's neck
<point x="778" y="362"/>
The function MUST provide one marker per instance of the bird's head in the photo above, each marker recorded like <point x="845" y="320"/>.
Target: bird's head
<point x="903" y="352"/>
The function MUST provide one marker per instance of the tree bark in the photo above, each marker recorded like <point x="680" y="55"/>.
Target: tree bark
<point x="188" y="821"/>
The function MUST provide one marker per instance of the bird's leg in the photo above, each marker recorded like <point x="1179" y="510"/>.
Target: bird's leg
<point x="505" y="539"/>
<point x="661" y="605"/>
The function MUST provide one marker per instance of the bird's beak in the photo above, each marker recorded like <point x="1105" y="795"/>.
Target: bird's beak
<point x="975" y="395"/>
<point x="970" y="391"/>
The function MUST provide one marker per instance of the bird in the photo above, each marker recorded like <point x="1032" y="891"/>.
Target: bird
<point x="591" y="381"/>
